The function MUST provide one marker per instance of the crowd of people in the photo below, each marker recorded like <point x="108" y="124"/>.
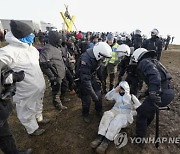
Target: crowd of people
<point x="87" y="64"/>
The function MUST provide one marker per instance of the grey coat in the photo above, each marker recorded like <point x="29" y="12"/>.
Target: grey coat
<point x="53" y="56"/>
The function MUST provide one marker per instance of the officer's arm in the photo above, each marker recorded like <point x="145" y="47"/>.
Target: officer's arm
<point x="85" y="78"/>
<point x="122" y="68"/>
<point x="99" y="74"/>
<point x="151" y="74"/>
<point x="159" y="45"/>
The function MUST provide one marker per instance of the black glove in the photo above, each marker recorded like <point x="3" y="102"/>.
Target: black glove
<point x="155" y="97"/>
<point x="54" y="80"/>
<point x="8" y="92"/>
<point x="18" y="76"/>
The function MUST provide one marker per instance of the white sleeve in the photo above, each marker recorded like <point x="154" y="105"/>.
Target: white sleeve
<point x="7" y="57"/>
<point x="9" y="79"/>
<point x="136" y="103"/>
<point x="111" y="95"/>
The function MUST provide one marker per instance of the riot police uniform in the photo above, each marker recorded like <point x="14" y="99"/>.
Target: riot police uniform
<point x="159" y="91"/>
<point x="90" y="88"/>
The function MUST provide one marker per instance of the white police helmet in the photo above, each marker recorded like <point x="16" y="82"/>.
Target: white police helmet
<point x="137" y="31"/>
<point x="123" y="50"/>
<point x="155" y="32"/>
<point x="102" y="50"/>
<point x="137" y="54"/>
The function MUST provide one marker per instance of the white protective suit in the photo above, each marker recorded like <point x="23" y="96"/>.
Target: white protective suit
<point x="29" y="92"/>
<point x="121" y="114"/>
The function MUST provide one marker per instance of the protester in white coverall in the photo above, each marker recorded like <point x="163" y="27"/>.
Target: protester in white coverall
<point x="19" y="54"/>
<point x="118" y="117"/>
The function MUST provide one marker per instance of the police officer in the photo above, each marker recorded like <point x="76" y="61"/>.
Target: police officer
<point x="137" y="39"/>
<point x="7" y="90"/>
<point x="154" y="43"/>
<point x="159" y="92"/>
<point x="124" y="53"/>
<point x="89" y="87"/>
<point x="53" y="66"/>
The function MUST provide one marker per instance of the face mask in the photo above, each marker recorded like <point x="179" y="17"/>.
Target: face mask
<point x="28" y="39"/>
<point x="121" y="93"/>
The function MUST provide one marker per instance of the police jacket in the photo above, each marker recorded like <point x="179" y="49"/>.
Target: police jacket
<point x="51" y="57"/>
<point x="153" y="43"/>
<point x="154" y="74"/>
<point x="87" y="69"/>
<point x="124" y="66"/>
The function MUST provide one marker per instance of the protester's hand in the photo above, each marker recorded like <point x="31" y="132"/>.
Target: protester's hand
<point x="18" y="76"/>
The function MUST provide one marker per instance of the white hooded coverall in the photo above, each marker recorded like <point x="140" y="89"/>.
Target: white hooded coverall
<point x="29" y="92"/>
<point x="121" y="114"/>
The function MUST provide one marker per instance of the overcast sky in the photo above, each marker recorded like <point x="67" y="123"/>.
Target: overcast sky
<point x="101" y="15"/>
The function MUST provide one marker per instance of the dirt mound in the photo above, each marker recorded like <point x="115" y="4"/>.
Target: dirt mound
<point x="68" y="134"/>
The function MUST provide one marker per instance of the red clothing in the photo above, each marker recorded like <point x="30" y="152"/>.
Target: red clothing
<point x="79" y="36"/>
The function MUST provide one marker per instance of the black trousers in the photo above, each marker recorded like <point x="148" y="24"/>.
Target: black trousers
<point x="7" y="142"/>
<point x="146" y="111"/>
<point x="86" y="98"/>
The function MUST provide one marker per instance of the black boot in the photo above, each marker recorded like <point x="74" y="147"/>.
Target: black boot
<point x="103" y="146"/>
<point x="97" y="141"/>
<point x="86" y="119"/>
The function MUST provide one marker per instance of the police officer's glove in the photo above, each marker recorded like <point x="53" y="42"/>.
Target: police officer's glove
<point x="155" y="97"/>
<point x="18" y="76"/>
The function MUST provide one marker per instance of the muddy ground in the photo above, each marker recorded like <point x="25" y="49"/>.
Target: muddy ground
<point x="68" y="134"/>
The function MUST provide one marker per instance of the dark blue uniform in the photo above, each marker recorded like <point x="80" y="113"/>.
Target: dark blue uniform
<point x="157" y="79"/>
<point x="89" y="85"/>
<point x="137" y="41"/>
<point x="132" y="78"/>
<point x="154" y="43"/>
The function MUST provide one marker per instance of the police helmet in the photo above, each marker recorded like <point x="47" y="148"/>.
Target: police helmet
<point x="123" y="50"/>
<point x="154" y="32"/>
<point x="102" y="50"/>
<point x="141" y="53"/>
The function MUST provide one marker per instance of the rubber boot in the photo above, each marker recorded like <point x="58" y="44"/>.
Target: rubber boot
<point x="103" y="146"/>
<point x="97" y="141"/>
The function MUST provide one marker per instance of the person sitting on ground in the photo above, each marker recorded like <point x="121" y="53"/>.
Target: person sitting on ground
<point x="118" y="117"/>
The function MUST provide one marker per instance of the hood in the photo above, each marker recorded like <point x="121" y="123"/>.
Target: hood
<point x="125" y="86"/>
<point x="55" y="38"/>
<point x="9" y="37"/>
